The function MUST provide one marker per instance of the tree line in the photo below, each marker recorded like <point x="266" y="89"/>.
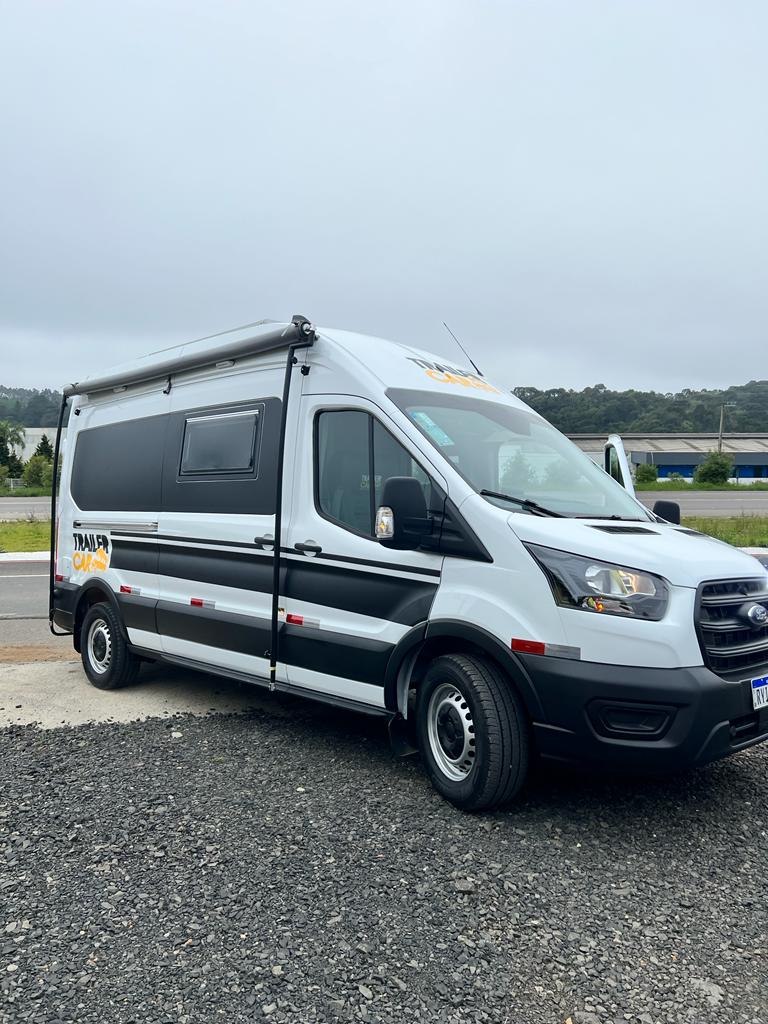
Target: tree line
<point x="598" y="410"/>
<point x="37" y="471"/>
<point x="29" y="407"/>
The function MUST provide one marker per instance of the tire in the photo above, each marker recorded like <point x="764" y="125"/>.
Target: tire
<point x="107" y="661"/>
<point x="472" y="732"/>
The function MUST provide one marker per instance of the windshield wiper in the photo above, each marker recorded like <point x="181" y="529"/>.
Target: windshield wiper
<point x="533" y="506"/>
<point x="624" y="519"/>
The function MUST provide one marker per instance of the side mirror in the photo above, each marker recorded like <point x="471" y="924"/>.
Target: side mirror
<point x="668" y="510"/>
<point x="401" y="519"/>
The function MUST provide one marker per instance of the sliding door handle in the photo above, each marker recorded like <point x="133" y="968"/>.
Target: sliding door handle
<point x="264" y="542"/>
<point x="309" y="547"/>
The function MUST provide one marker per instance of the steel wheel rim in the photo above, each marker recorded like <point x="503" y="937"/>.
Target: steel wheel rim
<point x="99" y="645"/>
<point x="451" y="732"/>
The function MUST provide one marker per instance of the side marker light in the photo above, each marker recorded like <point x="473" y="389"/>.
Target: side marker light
<point x="552" y="650"/>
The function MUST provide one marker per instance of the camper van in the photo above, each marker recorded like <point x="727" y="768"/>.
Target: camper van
<point x="384" y="529"/>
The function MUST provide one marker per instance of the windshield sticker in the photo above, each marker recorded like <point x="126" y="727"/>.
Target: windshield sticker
<point x="91" y="552"/>
<point x="444" y="374"/>
<point x="438" y="435"/>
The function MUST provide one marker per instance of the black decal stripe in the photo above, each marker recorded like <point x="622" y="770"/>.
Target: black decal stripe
<point x="416" y="570"/>
<point x="334" y="654"/>
<point x="198" y="542"/>
<point x="244" y="634"/>
<point x="393" y="598"/>
<point x="134" y="557"/>
<point x="219" y="568"/>
<point x="138" y="612"/>
<point x="193" y="541"/>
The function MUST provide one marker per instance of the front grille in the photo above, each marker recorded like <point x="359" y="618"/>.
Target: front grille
<point x="730" y="644"/>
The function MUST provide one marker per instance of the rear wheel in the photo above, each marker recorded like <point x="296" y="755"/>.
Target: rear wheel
<point x="472" y="732"/>
<point x="107" y="661"/>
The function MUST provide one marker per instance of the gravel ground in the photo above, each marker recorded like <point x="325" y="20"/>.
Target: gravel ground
<point x="277" y="868"/>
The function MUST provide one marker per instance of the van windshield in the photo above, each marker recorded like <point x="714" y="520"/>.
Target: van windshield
<point x="498" y="447"/>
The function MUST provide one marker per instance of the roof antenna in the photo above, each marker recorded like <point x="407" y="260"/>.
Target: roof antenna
<point x="469" y="357"/>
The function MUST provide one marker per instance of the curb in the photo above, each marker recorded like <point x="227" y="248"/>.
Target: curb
<point x="25" y="556"/>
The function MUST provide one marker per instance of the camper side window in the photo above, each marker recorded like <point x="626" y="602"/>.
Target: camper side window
<point x="223" y="443"/>
<point x="355" y="456"/>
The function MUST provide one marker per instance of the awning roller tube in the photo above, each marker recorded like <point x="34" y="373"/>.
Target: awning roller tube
<point x="298" y="330"/>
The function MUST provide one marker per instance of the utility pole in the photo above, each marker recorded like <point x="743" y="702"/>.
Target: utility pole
<point x="723" y="407"/>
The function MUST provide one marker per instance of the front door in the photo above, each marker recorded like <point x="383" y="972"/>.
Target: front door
<point x="349" y="601"/>
<point x="616" y="463"/>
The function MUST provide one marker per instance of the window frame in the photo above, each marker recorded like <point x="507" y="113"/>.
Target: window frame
<point x="372" y="418"/>
<point x="257" y="409"/>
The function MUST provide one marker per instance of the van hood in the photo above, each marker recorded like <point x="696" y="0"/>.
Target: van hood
<point x="683" y="557"/>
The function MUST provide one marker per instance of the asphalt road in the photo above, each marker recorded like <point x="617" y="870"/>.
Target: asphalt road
<point x="712" y="503"/>
<point x="23" y="590"/>
<point x="23" y="508"/>
<point x="24" y="612"/>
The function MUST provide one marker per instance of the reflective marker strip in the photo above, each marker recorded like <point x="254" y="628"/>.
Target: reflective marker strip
<point x="135" y="591"/>
<point x="529" y="646"/>
<point x="553" y="650"/>
<point x="61" y="579"/>
<point x="301" y="620"/>
<point x="199" y="602"/>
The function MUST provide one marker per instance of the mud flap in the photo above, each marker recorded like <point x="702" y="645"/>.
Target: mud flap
<point x="402" y="737"/>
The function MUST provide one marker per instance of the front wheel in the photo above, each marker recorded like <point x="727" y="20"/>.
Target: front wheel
<point x="472" y="732"/>
<point x="107" y="660"/>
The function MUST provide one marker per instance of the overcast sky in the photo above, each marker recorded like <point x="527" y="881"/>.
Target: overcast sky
<point x="579" y="188"/>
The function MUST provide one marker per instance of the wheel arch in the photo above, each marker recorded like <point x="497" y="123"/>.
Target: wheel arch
<point x="93" y="592"/>
<point x="429" y="640"/>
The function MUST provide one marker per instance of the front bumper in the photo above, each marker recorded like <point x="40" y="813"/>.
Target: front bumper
<point x="645" y="719"/>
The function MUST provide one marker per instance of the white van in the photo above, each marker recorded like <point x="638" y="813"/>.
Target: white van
<point x="366" y="524"/>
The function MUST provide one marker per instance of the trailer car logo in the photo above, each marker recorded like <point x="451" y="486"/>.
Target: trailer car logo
<point x="91" y="552"/>
<point x="445" y="374"/>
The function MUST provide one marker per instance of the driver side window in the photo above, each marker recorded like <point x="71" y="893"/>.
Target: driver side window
<point x="354" y="457"/>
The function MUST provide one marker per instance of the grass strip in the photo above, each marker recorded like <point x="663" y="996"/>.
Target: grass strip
<point x="26" y="536"/>
<point x="741" y="531"/>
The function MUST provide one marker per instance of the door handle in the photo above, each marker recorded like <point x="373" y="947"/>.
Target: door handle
<point x="264" y="542"/>
<point x="308" y="547"/>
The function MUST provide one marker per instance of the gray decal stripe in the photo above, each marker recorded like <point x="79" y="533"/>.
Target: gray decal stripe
<point x="390" y="597"/>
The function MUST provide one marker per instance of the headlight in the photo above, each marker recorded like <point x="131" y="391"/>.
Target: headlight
<point x="600" y="587"/>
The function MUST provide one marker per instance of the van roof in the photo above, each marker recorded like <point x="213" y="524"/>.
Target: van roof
<point x="391" y="363"/>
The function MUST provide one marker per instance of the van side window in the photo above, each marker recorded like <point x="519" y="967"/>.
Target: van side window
<point x="353" y="450"/>
<point x="221" y="443"/>
<point x="118" y="467"/>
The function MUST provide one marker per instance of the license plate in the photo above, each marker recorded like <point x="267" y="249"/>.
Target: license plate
<point x="760" y="693"/>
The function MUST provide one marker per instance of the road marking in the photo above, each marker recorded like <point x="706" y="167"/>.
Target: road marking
<point x="24" y="576"/>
